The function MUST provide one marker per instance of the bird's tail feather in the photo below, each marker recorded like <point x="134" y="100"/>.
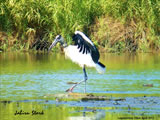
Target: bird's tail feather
<point x="100" y="68"/>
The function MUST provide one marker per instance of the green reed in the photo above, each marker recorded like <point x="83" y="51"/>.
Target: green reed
<point x="26" y="21"/>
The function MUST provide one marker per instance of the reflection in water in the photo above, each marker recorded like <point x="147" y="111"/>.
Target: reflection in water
<point x="30" y="76"/>
<point x="41" y="61"/>
<point x="84" y="112"/>
<point x="64" y="112"/>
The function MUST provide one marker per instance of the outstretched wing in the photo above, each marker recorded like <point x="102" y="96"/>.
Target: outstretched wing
<point x="85" y="45"/>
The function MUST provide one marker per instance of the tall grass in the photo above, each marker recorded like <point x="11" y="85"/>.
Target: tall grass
<point x="36" y="22"/>
<point x="129" y="25"/>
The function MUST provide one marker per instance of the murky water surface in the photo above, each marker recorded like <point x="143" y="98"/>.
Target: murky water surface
<point x="26" y="77"/>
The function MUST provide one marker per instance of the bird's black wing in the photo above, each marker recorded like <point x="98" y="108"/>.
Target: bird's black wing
<point x="85" y="45"/>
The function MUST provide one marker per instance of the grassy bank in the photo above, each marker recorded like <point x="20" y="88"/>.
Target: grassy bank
<point x="114" y="26"/>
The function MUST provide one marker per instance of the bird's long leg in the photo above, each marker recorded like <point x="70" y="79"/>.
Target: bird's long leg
<point x="85" y="79"/>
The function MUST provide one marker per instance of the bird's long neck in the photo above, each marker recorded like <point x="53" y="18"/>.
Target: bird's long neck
<point x="64" y="45"/>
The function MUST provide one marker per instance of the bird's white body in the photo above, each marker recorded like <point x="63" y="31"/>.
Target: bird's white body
<point x="73" y="53"/>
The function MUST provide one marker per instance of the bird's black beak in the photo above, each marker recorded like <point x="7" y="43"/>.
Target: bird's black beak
<point x="53" y="44"/>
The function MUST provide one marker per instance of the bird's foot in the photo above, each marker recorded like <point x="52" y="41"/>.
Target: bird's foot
<point x="70" y="90"/>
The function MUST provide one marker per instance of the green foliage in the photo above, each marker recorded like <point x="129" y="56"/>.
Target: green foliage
<point x="135" y="23"/>
<point x="31" y="20"/>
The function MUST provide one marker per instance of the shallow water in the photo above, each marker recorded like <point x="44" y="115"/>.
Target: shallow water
<point x="32" y="76"/>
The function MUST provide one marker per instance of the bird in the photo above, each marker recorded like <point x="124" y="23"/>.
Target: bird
<point x="83" y="52"/>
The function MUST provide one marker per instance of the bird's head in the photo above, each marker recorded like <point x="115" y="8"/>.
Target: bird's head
<point x="59" y="39"/>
